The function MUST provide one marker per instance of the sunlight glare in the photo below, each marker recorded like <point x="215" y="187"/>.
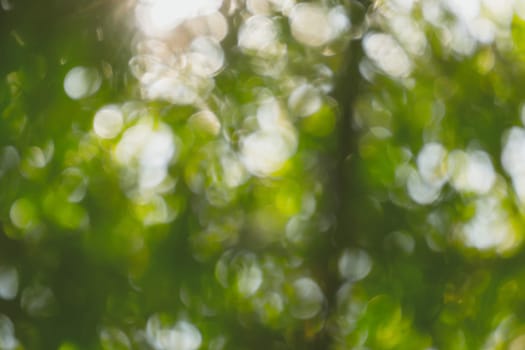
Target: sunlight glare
<point x="159" y="17"/>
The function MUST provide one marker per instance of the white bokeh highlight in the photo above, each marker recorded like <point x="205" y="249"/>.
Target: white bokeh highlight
<point x="513" y="159"/>
<point x="472" y="171"/>
<point x="108" y="122"/>
<point x="8" y="282"/>
<point x="179" y="336"/>
<point x="387" y="54"/>
<point x="160" y="17"/>
<point x="81" y="82"/>
<point x="149" y="149"/>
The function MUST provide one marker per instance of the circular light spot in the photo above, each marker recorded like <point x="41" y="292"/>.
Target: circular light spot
<point x="234" y="172"/>
<point x="483" y="30"/>
<point x="339" y="21"/>
<point x="7" y="334"/>
<point x="206" y="56"/>
<point x="421" y="191"/>
<point x="490" y="227"/>
<point x="159" y="17"/>
<point x="258" y="6"/>
<point x="384" y="50"/>
<point x="464" y="10"/>
<point x="472" y="171"/>
<point x="296" y="228"/>
<point x="269" y="114"/>
<point x="108" y="122"/>
<point x="216" y="26"/>
<point x="23" y="213"/>
<point x="9" y="159"/>
<point x="155" y="156"/>
<point x="74" y="184"/>
<point x="400" y="241"/>
<point x="310" y="24"/>
<point x="38" y="301"/>
<point x="258" y="33"/>
<point x="307" y="298"/>
<point x="8" y="282"/>
<point x="36" y="157"/>
<point x="176" y="89"/>
<point x="148" y="150"/>
<point x="305" y="100"/>
<point x="205" y="121"/>
<point x="432" y="165"/>
<point x="264" y="152"/>
<point x="354" y="264"/>
<point x="114" y="338"/>
<point x="181" y="336"/>
<point x="513" y="158"/>
<point x="82" y="82"/>
<point x="6" y="5"/>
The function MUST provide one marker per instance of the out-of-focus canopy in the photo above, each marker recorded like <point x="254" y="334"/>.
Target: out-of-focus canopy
<point x="262" y="174"/>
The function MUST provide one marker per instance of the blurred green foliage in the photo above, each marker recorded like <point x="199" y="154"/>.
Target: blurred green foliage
<point x="262" y="174"/>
